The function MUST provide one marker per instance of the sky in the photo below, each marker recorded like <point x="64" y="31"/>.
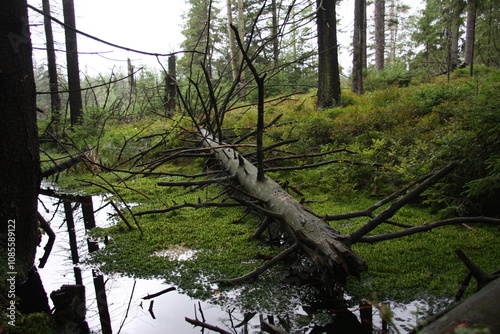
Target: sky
<point x="146" y="25"/>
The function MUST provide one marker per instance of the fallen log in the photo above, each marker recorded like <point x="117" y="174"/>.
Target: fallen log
<point x="479" y="312"/>
<point x="328" y="249"/>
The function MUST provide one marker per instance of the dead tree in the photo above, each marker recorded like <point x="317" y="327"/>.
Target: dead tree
<point x="328" y="249"/>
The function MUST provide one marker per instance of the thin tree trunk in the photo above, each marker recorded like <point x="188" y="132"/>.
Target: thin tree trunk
<point x="233" y="52"/>
<point x="359" y="46"/>
<point x="55" y="100"/>
<point x="75" y="95"/>
<point x="276" y="51"/>
<point x="379" y="34"/>
<point x="329" y="93"/>
<point x="19" y="148"/>
<point x="241" y="32"/>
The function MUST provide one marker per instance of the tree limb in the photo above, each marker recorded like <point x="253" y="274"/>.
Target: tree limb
<point x="262" y="268"/>
<point x="427" y="227"/>
<point x="391" y="211"/>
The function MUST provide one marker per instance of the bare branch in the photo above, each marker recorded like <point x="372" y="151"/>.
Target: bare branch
<point x="262" y="268"/>
<point x="427" y="227"/>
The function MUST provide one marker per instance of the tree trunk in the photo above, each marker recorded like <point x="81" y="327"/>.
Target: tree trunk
<point x="470" y="33"/>
<point x="329" y="93"/>
<point x="379" y="34"/>
<point x="75" y="94"/>
<point x="20" y="175"/>
<point x="241" y="32"/>
<point x="55" y="100"/>
<point x="359" y="46"/>
<point x="454" y="35"/>
<point x="276" y="50"/>
<point x="327" y="248"/>
<point x="171" y="85"/>
<point x="479" y="311"/>
<point x="232" y="41"/>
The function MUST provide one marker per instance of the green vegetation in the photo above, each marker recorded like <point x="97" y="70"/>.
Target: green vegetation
<point x="410" y="130"/>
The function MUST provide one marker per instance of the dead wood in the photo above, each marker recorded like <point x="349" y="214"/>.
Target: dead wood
<point x="310" y="155"/>
<point x="277" y="169"/>
<point x="202" y="324"/>
<point x="119" y="212"/>
<point x="158" y="293"/>
<point x="393" y="209"/>
<point x="195" y="183"/>
<point x="57" y="168"/>
<point x="262" y="268"/>
<point x="50" y="243"/>
<point x="427" y="227"/>
<point x="326" y="247"/>
<point x="189" y="205"/>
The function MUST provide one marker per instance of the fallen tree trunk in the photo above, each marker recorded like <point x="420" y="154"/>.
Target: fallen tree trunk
<point x="329" y="250"/>
<point x="479" y="311"/>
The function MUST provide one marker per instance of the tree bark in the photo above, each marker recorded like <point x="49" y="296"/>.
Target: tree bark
<point x="20" y="174"/>
<point x="359" y="46"/>
<point x="479" y="311"/>
<point x="232" y="41"/>
<point x="55" y="100"/>
<point x="379" y="34"/>
<point x="75" y="94"/>
<point x="329" y="250"/>
<point x="470" y="33"/>
<point x="329" y="93"/>
<point x="274" y="29"/>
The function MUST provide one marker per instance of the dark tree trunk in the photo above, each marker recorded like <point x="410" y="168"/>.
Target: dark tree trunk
<point x="55" y="100"/>
<point x="20" y="174"/>
<point x="75" y="94"/>
<point x="329" y="93"/>
<point x="379" y="34"/>
<point x="359" y="46"/>
<point x="470" y="33"/>
<point x="170" y="85"/>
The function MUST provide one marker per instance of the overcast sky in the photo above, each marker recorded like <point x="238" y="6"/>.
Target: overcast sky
<point x="146" y="25"/>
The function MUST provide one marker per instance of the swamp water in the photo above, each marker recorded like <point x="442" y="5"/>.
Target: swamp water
<point x="122" y="299"/>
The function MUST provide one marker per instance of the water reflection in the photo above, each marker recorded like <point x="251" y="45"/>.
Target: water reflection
<point x="119" y="305"/>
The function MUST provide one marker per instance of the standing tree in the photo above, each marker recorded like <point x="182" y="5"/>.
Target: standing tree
<point x="470" y="33"/>
<point x="75" y="95"/>
<point x="20" y="176"/>
<point x="379" y="34"/>
<point x="55" y="100"/>
<point x="329" y="93"/>
<point x="359" y="46"/>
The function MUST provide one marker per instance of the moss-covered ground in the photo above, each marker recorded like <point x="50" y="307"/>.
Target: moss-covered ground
<point x="411" y="131"/>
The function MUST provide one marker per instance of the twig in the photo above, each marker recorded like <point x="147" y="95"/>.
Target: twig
<point x="118" y="211"/>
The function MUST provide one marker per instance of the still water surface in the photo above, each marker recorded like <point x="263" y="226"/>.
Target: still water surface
<point x="130" y="313"/>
